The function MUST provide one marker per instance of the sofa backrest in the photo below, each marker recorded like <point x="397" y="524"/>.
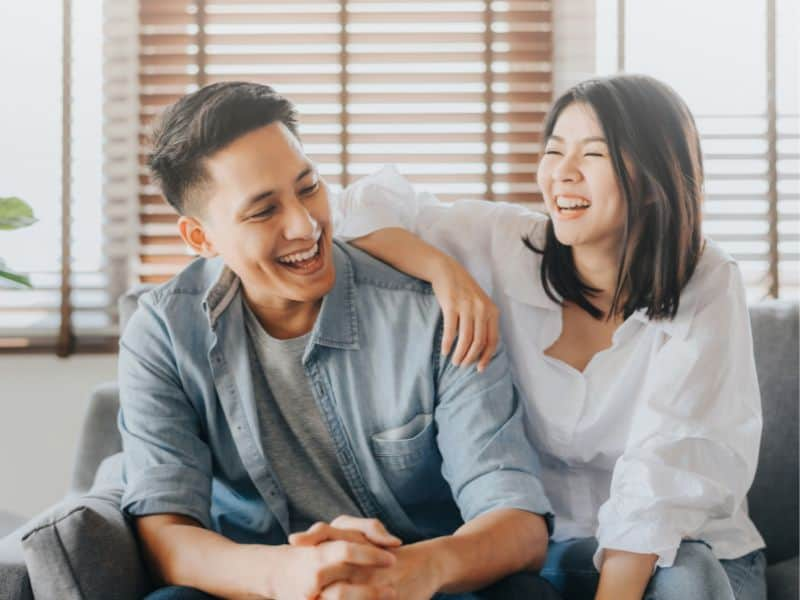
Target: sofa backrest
<point x="774" y="496"/>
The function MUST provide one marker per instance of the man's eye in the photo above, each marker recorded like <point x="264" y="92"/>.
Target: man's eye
<point x="552" y="152"/>
<point x="263" y="213"/>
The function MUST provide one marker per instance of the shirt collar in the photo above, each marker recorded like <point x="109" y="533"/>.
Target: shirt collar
<point x="337" y="323"/>
<point x="224" y="288"/>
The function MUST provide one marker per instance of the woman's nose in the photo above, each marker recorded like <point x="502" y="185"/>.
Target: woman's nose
<point x="566" y="169"/>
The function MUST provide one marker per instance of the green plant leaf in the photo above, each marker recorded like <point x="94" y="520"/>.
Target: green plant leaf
<point x="15" y="277"/>
<point x="15" y="213"/>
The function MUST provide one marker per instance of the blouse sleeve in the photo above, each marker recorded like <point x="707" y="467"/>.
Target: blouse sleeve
<point x="693" y="450"/>
<point x="473" y="232"/>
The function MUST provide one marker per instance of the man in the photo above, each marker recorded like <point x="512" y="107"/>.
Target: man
<point x="284" y="405"/>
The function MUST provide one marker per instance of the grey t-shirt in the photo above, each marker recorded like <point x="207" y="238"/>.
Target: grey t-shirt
<point x="294" y="436"/>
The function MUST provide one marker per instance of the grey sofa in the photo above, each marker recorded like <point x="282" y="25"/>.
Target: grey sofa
<point x="773" y="497"/>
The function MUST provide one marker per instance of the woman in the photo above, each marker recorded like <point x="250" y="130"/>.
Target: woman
<point x="628" y="334"/>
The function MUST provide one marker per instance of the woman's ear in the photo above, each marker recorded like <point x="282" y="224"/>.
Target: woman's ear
<point x="193" y="233"/>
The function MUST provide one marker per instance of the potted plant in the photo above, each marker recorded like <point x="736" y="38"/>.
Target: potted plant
<point x="14" y="213"/>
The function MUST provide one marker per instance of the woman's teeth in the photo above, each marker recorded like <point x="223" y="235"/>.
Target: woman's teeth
<point x="300" y="256"/>
<point x="571" y="203"/>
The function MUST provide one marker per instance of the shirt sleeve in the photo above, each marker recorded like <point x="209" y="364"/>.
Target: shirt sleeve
<point x="693" y="450"/>
<point x="167" y="463"/>
<point x="477" y="233"/>
<point x="487" y="458"/>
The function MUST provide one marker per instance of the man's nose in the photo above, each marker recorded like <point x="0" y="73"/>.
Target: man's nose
<point x="299" y="224"/>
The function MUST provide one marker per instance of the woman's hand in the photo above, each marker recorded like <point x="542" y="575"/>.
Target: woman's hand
<point x="468" y="313"/>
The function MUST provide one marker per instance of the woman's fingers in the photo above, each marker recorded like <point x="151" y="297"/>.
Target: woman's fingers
<point x="466" y="327"/>
<point x="478" y="342"/>
<point x="492" y="340"/>
<point x="450" y="329"/>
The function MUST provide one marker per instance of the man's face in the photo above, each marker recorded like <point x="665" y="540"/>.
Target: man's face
<point x="267" y="215"/>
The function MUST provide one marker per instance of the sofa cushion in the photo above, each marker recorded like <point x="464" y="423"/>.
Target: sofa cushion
<point x="782" y="580"/>
<point x="773" y="499"/>
<point x="85" y="548"/>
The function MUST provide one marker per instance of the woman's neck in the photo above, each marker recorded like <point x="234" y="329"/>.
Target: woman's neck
<point x="598" y="269"/>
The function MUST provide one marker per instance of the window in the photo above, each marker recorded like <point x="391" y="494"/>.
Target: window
<point x="34" y="155"/>
<point x="750" y="128"/>
<point x="453" y="92"/>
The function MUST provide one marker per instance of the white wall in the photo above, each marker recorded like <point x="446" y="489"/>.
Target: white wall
<point x="42" y="403"/>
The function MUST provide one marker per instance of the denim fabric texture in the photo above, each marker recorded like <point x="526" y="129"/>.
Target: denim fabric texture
<point x="424" y="445"/>
<point x="696" y="575"/>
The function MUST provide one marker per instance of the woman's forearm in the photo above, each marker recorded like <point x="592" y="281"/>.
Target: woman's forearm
<point x="405" y="252"/>
<point x="624" y="575"/>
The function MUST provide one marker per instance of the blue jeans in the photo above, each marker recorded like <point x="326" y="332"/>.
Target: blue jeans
<point x="696" y="574"/>
<point x="522" y="586"/>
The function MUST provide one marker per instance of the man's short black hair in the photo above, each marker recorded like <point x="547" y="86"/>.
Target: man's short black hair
<point x="203" y="122"/>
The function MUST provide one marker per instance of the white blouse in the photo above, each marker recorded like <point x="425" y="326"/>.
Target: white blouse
<point x="656" y="441"/>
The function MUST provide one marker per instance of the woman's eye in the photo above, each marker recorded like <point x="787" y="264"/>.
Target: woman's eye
<point x="310" y="189"/>
<point x="593" y="154"/>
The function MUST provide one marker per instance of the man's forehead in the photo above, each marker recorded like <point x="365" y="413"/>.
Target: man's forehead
<point x="271" y="149"/>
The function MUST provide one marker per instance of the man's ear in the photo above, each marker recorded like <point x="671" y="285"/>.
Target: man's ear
<point x="193" y="234"/>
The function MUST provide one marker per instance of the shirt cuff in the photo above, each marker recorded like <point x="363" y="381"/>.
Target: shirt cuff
<point x="501" y="489"/>
<point x="169" y="489"/>
<point x="657" y="536"/>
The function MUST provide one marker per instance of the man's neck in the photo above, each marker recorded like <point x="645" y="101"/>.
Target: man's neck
<point x="285" y="319"/>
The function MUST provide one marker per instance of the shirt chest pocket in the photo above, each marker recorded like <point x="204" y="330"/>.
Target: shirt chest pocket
<point x="410" y="460"/>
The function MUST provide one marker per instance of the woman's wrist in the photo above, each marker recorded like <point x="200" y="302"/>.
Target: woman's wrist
<point x="624" y="575"/>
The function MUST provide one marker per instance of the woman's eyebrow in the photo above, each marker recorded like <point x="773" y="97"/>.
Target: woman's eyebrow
<point x="585" y="140"/>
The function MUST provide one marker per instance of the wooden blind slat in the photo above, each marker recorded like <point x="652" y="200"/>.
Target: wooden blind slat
<point x="458" y="107"/>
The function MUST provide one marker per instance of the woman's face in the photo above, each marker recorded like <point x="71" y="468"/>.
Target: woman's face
<point x="579" y="184"/>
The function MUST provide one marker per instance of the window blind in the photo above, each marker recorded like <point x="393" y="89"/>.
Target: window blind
<point x="56" y="167"/>
<point x="452" y="92"/>
<point x="748" y="124"/>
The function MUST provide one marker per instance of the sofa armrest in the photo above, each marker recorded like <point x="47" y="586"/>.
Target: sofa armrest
<point x="14" y="581"/>
<point x="85" y="548"/>
<point x="99" y="437"/>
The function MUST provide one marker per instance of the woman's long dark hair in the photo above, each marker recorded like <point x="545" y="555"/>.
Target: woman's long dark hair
<point x="655" y="151"/>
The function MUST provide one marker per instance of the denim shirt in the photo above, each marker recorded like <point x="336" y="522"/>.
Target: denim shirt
<point x="424" y="445"/>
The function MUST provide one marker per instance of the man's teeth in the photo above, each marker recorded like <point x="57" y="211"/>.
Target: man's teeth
<point x="300" y="256"/>
<point x="572" y="202"/>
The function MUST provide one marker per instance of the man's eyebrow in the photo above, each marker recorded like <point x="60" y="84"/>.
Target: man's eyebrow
<point x="265" y="194"/>
<point x="586" y="140"/>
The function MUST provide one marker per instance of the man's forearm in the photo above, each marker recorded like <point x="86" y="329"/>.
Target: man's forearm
<point x="489" y="548"/>
<point x="189" y="555"/>
<point x="404" y="251"/>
